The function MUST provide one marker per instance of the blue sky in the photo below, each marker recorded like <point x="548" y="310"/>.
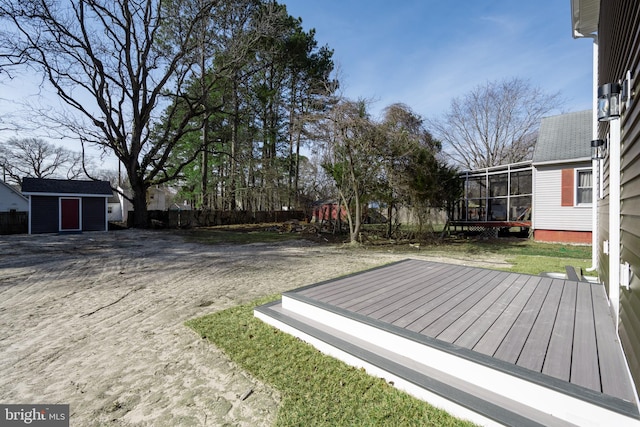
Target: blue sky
<point x="426" y="52"/>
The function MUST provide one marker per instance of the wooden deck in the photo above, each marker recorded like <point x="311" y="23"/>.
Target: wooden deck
<point x="560" y="333"/>
<point x="491" y="224"/>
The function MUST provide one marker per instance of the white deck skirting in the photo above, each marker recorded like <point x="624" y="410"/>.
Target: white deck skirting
<point x="545" y="404"/>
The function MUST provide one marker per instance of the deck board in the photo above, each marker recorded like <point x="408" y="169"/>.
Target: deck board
<point x="474" y="334"/>
<point x="435" y="287"/>
<point x="370" y="289"/>
<point x="458" y="307"/>
<point x="535" y="348"/>
<point x="472" y="293"/>
<point x="350" y="285"/>
<point x="556" y="327"/>
<point x="512" y="345"/>
<point x="421" y="308"/>
<point x="584" y="366"/>
<point x="613" y="374"/>
<point x="490" y="342"/>
<point x="471" y="316"/>
<point x="370" y="302"/>
<point x="558" y="359"/>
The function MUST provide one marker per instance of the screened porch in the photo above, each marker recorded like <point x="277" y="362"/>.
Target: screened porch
<point x="499" y="196"/>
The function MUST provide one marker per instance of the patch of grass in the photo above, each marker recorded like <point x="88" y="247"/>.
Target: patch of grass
<point x="539" y="264"/>
<point x="525" y="256"/>
<point x="508" y="247"/>
<point x="316" y="389"/>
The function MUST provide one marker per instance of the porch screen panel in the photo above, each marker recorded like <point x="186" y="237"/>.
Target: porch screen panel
<point x="476" y="195"/>
<point x="497" y="209"/>
<point x="498" y="185"/>
<point x="520" y="208"/>
<point x="521" y="183"/>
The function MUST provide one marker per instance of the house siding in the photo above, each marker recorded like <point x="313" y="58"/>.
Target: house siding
<point x="619" y="47"/>
<point x="10" y="201"/>
<point x="45" y="214"/>
<point x="603" y="236"/>
<point x="548" y="212"/>
<point x="93" y="213"/>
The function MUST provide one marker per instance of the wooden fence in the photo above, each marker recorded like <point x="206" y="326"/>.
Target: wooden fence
<point x="17" y="222"/>
<point x="14" y="222"/>
<point x="196" y="218"/>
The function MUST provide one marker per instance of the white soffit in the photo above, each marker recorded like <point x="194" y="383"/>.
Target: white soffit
<point x="584" y="17"/>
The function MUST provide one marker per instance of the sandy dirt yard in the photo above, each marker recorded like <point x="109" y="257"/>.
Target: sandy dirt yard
<point x="96" y="320"/>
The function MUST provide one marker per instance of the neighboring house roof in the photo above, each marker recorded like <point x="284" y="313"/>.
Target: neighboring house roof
<point x="63" y="186"/>
<point x="565" y="137"/>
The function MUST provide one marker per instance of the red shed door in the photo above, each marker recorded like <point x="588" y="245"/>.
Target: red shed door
<point x="69" y="214"/>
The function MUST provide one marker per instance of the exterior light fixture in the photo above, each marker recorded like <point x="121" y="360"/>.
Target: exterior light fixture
<point x="609" y="102"/>
<point x="597" y="149"/>
<point x="627" y="92"/>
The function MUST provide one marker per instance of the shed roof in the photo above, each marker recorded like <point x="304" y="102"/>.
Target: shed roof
<point x="64" y="186"/>
<point x="565" y="137"/>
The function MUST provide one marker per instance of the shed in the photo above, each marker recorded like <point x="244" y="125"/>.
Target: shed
<point x="563" y="179"/>
<point x="57" y="205"/>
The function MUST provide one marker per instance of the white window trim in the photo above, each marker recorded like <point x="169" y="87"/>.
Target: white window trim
<point x="576" y="181"/>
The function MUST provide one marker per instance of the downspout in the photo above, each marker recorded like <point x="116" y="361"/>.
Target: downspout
<point x="614" y="216"/>
<point x="595" y="163"/>
<point x="30" y="215"/>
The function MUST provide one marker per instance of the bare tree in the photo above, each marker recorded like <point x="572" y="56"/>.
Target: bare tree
<point x="34" y="157"/>
<point x="352" y="158"/>
<point x="496" y="123"/>
<point x="116" y="64"/>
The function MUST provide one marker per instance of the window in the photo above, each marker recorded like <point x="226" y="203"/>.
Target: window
<point x="584" y="187"/>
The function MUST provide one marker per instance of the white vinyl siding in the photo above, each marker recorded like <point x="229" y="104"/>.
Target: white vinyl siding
<point x="10" y="200"/>
<point x="548" y="212"/>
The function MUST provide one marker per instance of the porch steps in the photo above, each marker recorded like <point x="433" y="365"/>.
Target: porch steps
<point x="467" y="384"/>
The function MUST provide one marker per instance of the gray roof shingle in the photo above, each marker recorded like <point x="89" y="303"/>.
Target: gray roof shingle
<point x="564" y="137"/>
<point x="64" y="186"/>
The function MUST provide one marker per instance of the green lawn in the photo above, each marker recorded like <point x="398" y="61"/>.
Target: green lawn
<point x="323" y="391"/>
<point x="525" y="256"/>
<point x="316" y="389"/>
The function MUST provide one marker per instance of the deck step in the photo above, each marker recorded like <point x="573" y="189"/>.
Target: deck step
<point x="462" y="383"/>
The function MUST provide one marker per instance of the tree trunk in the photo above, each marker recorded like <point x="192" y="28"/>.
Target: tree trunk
<point x="390" y="220"/>
<point x="234" y="144"/>
<point x="139" y="189"/>
<point x="357" y="221"/>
